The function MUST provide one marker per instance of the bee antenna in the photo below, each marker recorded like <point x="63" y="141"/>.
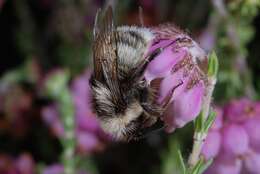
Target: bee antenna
<point x="96" y="25"/>
<point x="141" y="19"/>
<point x="108" y="23"/>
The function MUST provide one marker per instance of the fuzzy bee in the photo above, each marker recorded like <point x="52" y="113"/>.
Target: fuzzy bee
<point x="122" y="99"/>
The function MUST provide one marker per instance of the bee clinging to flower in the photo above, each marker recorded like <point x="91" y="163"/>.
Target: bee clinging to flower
<point x="124" y="99"/>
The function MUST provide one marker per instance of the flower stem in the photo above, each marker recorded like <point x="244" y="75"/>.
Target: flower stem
<point x="67" y="112"/>
<point x="57" y="88"/>
<point x="200" y="135"/>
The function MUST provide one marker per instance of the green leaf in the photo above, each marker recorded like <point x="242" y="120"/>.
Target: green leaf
<point x="56" y="83"/>
<point x="196" y="168"/>
<point x="201" y="166"/>
<point x="181" y="161"/>
<point x="213" y="65"/>
<point x="205" y="166"/>
<point x="209" y="121"/>
<point x="199" y="123"/>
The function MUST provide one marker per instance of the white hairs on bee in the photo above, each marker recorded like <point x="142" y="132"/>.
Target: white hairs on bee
<point x="116" y="126"/>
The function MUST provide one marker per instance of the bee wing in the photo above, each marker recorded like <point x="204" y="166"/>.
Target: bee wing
<point x="105" y="55"/>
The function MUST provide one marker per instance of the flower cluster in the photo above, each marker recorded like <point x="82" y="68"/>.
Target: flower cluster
<point x="234" y="139"/>
<point x="181" y="68"/>
<point x="15" y="105"/>
<point x="58" y="169"/>
<point x="23" y="164"/>
<point x="89" y="135"/>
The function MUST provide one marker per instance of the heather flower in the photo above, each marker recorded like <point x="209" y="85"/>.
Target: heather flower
<point x="53" y="169"/>
<point x="212" y="146"/>
<point x="89" y="135"/>
<point x="240" y="110"/>
<point x="58" y="169"/>
<point x="238" y="150"/>
<point x="207" y="39"/>
<point x="235" y="139"/>
<point x="252" y="163"/>
<point x="180" y="66"/>
<point x="252" y="127"/>
<point x="225" y="164"/>
<point x="49" y="115"/>
<point x="23" y="164"/>
<point x="16" y="103"/>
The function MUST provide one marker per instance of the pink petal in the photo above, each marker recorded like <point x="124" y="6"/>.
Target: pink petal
<point x="252" y="163"/>
<point x="212" y="145"/>
<point x="53" y="169"/>
<point x="235" y="140"/>
<point x="25" y="164"/>
<point x="239" y="110"/>
<point x="170" y="82"/>
<point x="163" y="63"/>
<point x="86" y="141"/>
<point x="252" y="127"/>
<point x="225" y="165"/>
<point x="87" y="122"/>
<point x="185" y="107"/>
<point x="50" y="116"/>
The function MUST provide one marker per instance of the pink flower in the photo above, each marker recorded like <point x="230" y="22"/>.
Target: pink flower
<point x="180" y="66"/>
<point x="212" y="144"/>
<point x="23" y="164"/>
<point x="240" y="110"/>
<point x="252" y="127"/>
<point x="49" y="115"/>
<point x="235" y="140"/>
<point x="239" y="150"/>
<point x="225" y="164"/>
<point x="53" y="169"/>
<point x="89" y="135"/>
<point x="252" y="163"/>
<point x="85" y="119"/>
<point x="58" y="169"/>
<point x="184" y="108"/>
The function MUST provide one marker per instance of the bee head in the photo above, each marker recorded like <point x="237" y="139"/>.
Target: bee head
<point x="133" y="124"/>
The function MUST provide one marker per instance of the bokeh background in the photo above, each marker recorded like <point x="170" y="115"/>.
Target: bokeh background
<point x="38" y="37"/>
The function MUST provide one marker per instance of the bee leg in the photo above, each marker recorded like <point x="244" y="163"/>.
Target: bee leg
<point x="138" y="72"/>
<point x="166" y="101"/>
<point x="143" y="65"/>
<point x="149" y="121"/>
